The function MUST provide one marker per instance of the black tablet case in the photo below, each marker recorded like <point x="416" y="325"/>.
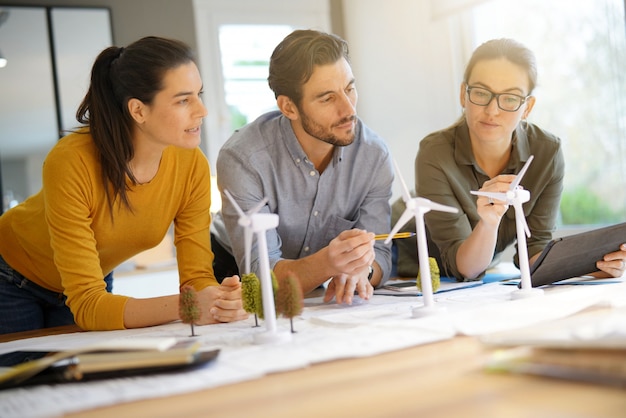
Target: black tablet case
<point x="56" y="373"/>
<point x="576" y="255"/>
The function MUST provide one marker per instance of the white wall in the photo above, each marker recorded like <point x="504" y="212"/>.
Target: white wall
<point x="408" y="71"/>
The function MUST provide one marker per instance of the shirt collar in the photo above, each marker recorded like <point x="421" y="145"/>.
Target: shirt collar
<point x="294" y="147"/>
<point x="291" y="142"/>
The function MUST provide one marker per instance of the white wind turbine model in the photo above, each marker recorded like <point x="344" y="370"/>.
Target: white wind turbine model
<point x="259" y="224"/>
<point x="517" y="196"/>
<point x="417" y="207"/>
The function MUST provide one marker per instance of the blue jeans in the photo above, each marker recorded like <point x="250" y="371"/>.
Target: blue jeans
<point x="26" y="306"/>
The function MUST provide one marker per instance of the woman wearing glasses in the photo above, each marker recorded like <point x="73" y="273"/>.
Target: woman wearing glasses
<point x="484" y="150"/>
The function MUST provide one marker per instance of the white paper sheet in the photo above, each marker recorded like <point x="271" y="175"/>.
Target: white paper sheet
<point x="323" y="332"/>
<point x="596" y="329"/>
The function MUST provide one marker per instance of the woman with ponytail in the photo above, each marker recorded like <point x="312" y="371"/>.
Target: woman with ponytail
<point x="111" y="189"/>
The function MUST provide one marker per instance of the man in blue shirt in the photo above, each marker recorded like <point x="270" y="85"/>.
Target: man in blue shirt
<point x="326" y="174"/>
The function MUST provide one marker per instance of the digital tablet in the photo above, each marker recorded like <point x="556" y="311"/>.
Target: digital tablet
<point x="576" y="255"/>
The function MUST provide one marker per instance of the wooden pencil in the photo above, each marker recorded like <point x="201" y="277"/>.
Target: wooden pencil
<point x="396" y="236"/>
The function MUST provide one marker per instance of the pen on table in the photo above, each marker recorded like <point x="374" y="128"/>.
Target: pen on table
<point x="396" y="236"/>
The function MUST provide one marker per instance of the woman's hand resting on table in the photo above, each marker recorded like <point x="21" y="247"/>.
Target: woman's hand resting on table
<point x="221" y="303"/>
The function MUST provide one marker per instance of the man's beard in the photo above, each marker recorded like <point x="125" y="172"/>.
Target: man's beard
<point x="318" y="131"/>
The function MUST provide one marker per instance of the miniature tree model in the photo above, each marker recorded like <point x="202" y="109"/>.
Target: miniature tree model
<point x="435" y="277"/>
<point x="188" y="307"/>
<point x="289" y="298"/>
<point x="250" y="291"/>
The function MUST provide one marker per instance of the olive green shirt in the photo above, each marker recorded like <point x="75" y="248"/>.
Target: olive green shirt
<point x="446" y="171"/>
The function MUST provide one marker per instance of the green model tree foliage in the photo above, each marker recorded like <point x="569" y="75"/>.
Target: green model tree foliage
<point x="251" y="294"/>
<point x="289" y="298"/>
<point x="250" y="289"/>
<point x="434" y="275"/>
<point x="189" y="310"/>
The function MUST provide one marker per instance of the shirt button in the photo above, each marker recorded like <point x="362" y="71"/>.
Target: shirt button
<point x="312" y="173"/>
<point x="297" y="160"/>
<point x="316" y="213"/>
<point x="306" y="249"/>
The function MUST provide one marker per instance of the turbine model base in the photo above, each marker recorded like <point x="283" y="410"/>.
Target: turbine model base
<point x="526" y="293"/>
<point x="276" y="337"/>
<point x="424" y="311"/>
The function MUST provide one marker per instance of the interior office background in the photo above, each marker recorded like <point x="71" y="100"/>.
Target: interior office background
<point x="408" y="57"/>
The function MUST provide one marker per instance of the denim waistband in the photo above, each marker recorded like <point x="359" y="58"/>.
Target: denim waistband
<point x="10" y="275"/>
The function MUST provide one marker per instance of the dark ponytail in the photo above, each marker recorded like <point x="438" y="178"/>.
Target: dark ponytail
<point x="118" y="75"/>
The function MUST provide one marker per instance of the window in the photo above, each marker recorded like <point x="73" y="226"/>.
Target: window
<point x="235" y="41"/>
<point x="245" y="52"/>
<point x="581" y="96"/>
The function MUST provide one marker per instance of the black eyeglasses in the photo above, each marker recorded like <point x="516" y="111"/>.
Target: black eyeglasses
<point x="506" y="101"/>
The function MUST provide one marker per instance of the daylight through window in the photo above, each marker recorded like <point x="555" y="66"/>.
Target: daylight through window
<point x="581" y="96"/>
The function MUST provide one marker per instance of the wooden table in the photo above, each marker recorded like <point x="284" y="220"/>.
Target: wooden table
<point x="443" y="379"/>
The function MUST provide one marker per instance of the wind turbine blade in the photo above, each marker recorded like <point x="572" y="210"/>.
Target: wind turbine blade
<point x="248" y="246"/>
<point x="519" y="216"/>
<point x="493" y="195"/>
<point x="441" y="208"/>
<point x="406" y="195"/>
<point x="526" y="229"/>
<point x="258" y="206"/>
<point x="521" y="173"/>
<point x="406" y="216"/>
<point x="232" y="200"/>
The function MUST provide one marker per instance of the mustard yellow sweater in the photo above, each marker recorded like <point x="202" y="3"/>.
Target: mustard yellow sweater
<point x="64" y="239"/>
